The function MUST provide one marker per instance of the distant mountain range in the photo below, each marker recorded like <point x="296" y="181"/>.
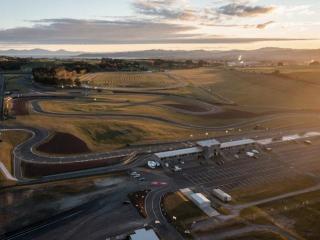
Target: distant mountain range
<point x="263" y="54"/>
<point x="37" y="52"/>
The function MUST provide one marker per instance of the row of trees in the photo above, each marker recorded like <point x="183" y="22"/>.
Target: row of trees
<point x="12" y="64"/>
<point x="68" y="73"/>
<point x="56" y="76"/>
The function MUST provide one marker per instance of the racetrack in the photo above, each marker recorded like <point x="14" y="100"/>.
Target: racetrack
<point x="26" y="151"/>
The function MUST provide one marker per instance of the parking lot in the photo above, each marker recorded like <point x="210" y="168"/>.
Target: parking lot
<point x="282" y="161"/>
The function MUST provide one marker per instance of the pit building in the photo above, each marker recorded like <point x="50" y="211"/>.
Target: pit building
<point x="207" y="149"/>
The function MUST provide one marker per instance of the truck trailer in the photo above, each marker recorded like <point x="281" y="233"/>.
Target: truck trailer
<point x="221" y="195"/>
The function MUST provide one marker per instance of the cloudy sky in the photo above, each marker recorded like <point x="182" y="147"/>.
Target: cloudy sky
<point x="126" y="25"/>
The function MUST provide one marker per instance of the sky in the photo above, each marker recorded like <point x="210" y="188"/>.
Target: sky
<point x="129" y="25"/>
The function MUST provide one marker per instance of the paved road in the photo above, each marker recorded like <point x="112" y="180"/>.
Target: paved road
<point x="25" y="153"/>
<point x="154" y="212"/>
<point x="101" y="217"/>
<point x="2" y="90"/>
<point x="258" y="120"/>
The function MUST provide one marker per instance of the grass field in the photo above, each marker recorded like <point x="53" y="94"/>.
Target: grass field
<point x="264" y="235"/>
<point x="272" y="189"/>
<point x="10" y="139"/>
<point x="300" y="214"/>
<point x="176" y="205"/>
<point x="129" y="80"/>
<point x="253" y="88"/>
<point x="108" y="134"/>
<point x="268" y="93"/>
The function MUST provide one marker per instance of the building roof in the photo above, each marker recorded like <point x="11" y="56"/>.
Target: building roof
<point x="143" y="234"/>
<point x="237" y="143"/>
<point x="209" y="143"/>
<point x="178" y="152"/>
<point x="291" y="137"/>
<point x="311" y="134"/>
<point x="200" y="198"/>
<point x="186" y="191"/>
<point x="265" y="141"/>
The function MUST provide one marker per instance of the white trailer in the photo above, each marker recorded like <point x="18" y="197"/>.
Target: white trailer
<point x="250" y="154"/>
<point x="218" y="193"/>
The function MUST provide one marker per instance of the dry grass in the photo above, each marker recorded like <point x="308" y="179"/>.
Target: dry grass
<point x="10" y="139"/>
<point x="257" y="89"/>
<point x="158" y="109"/>
<point x="299" y="214"/>
<point x="108" y="134"/>
<point x="263" y="235"/>
<point x="272" y="189"/>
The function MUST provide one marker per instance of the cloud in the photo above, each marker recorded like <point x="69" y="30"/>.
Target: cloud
<point x="244" y="10"/>
<point x="166" y="9"/>
<point x="257" y="26"/>
<point x="74" y="31"/>
<point x="69" y="31"/>
<point x="264" y="25"/>
<point x="219" y="12"/>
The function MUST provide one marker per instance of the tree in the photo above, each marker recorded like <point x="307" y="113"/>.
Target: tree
<point x="77" y="82"/>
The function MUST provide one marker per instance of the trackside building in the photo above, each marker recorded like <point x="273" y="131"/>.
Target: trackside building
<point x="181" y="154"/>
<point x="143" y="234"/>
<point x="207" y="149"/>
<point x="210" y="148"/>
<point x="236" y="144"/>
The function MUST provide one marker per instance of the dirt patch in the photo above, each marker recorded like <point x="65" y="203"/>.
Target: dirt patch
<point x="64" y="143"/>
<point x="190" y="108"/>
<point x="19" y="107"/>
<point x="138" y="200"/>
